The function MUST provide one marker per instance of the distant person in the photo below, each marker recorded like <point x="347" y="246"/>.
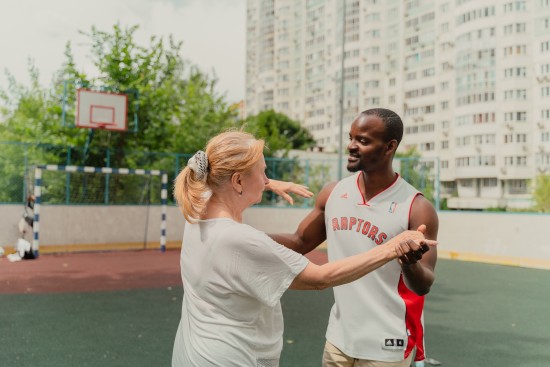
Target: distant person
<point x="369" y="324"/>
<point x="234" y="275"/>
<point x="23" y="248"/>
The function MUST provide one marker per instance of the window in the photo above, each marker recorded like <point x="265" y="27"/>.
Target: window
<point x="489" y="182"/>
<point x="427" y="146"/>
<point x="372" y="84"/>
<point x="517" y="186"/>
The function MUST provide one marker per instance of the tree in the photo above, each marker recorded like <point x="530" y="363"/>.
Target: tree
<point x="280" y="132"/>
<point x="541" y="195"/>
<point x="416" y="172"/>
<point x="175" y="103"/>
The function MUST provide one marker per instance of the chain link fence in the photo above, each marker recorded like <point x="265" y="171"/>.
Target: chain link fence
<point x="17" y="161"/>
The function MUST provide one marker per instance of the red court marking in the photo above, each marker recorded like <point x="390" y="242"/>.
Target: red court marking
<point x="100" y="271"/>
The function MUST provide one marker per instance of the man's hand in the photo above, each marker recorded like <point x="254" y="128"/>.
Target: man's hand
<point x="283" y="188"/>
<point x="413" y="256"/>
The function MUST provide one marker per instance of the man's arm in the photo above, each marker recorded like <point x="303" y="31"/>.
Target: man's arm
<point x="311" y="231"/>
<point x="419" y="275"/>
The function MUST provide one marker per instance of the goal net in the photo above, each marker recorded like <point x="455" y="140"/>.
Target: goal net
<point x="98" y="204"/>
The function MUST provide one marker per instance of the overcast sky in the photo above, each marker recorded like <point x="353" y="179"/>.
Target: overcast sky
<point x="212" y="31"/>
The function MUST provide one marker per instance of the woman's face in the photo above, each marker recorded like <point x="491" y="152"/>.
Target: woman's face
<point x="254" y="181"/>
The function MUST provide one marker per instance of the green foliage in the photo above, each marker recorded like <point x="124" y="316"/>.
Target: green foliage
<point x="497" y="209"/>
<point x="176" y="104"/>
<point x="280" y="132"/>
<point x="411" y="153"/>
<point x="416" y="172"/>
<point x="542" y="193"/>
<point x="307" y="172"/>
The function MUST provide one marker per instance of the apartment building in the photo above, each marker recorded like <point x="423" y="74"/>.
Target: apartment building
<point x="471" y="80"/>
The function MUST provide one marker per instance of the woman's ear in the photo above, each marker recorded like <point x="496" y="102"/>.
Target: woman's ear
<point x="236" y="182"/>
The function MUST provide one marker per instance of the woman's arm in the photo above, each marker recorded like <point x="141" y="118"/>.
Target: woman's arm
<point x="354" y="267"/>
<point x="283" y="188"/>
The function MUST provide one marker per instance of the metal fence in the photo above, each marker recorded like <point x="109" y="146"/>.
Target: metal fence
<point x="17" y="162"/>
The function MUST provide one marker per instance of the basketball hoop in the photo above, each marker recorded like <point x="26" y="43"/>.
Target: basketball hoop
<point x="101" y="110"/>
<point x="102" y="125"/>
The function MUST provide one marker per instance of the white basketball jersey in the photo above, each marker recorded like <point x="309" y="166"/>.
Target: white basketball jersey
<point x="369" y="317"/>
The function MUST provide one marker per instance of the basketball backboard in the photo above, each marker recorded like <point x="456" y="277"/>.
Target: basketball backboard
<point x="101" y="110"/>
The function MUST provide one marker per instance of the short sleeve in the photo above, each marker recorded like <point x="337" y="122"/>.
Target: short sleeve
<point x="260" y="267"/>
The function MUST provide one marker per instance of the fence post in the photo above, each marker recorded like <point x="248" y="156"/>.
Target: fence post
<point x="306" y="180"/>
<point x="27" y="173"/>
<point x="107" y="176"/>
<point x="68" y="179"/>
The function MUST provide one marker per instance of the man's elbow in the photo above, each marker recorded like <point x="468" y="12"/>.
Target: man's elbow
<point x="421" y="291"/>
<point x="422" y="288"/>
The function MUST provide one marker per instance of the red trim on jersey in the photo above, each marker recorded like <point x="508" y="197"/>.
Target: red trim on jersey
<point x="410" y="209"/>
<point x="365" y="202"/>
<point x="420" y="353"/>
<point x="414" y="304"/>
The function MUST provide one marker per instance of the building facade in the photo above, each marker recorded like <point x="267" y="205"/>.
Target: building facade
<point x="471" y="80"/>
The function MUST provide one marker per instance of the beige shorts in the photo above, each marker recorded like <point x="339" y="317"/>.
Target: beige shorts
<point x="334" y="357"/>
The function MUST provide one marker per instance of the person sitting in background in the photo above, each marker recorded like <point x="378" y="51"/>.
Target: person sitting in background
<point x="234" y="275"/>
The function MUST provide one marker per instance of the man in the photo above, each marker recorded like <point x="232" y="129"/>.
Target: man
<point x="370" y="323"/>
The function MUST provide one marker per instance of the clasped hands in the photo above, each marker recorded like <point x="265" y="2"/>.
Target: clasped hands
<point x="410" y="245"/>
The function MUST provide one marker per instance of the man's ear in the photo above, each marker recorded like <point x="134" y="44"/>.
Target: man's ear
<point x="236" y="182"/>
<point x="392" y="146"/>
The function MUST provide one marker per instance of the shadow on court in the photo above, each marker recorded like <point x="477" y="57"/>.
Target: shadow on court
<point x="476" y="315"/>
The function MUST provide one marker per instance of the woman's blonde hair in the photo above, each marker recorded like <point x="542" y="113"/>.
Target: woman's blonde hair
<point x="228" y="153"/>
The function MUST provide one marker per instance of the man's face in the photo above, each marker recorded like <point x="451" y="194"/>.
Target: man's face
<point x="368" y="150"/>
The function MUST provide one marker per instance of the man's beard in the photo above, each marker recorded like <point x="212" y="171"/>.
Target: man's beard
<point x="353" y="168"/>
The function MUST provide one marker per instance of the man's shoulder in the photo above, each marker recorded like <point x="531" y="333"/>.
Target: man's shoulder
<point x="422" y="203"/>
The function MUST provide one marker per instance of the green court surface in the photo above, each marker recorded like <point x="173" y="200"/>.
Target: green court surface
<point x="476" y="315"/>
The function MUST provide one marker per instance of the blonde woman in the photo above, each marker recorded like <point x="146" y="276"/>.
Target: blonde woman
<point x="234" y="275"/>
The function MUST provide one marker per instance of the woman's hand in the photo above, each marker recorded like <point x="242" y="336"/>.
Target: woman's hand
<point x="410" y="246"/>
<point x="283" y="188"/>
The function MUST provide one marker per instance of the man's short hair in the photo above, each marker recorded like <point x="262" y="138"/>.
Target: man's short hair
<point x="394" y="125"/>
